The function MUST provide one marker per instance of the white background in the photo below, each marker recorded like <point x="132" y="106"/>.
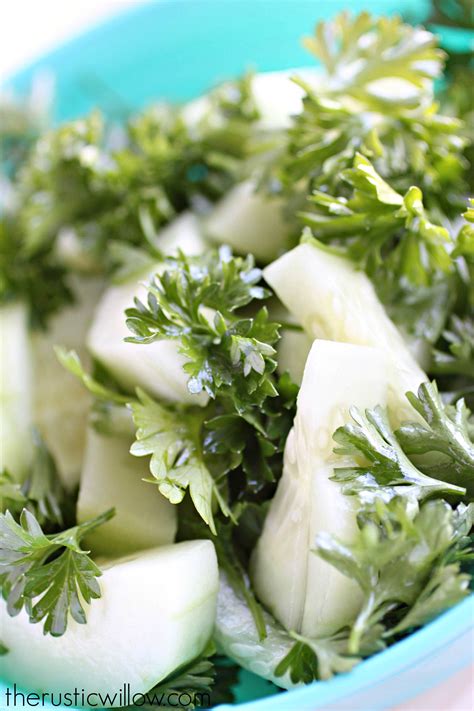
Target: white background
<point x="29" y="28"/>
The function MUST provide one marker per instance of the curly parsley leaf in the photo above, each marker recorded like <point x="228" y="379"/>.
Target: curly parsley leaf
<point x="247" y="448"/>
<point x="381" y="228"/>
<point x="375" y="49"/>
<point x="172" y="438"/>
<point x="311" y="658"/>
<point x="194" y="301"/>
<point x="444" y="432"/>
<point x="40" y="282"/>
<point x="51" y="576"/>
<point x="41" y="493"/>
<point x="230" y="355"/>
<point x="375" y="98"/>
<point x="458" y="359"/>
<point x="12" y="497"/>
<point x="385" y="465"/>
<point x="401" y="562"/>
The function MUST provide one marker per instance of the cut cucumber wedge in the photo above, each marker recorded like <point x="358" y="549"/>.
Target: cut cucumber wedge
<point x="61" y="403"/>
<point x="292" y="349"/>
<point x="16" y="391"/>
<point x="111" y="476"/>
<point x="156" y="613"/>
<point x="300" y="589"/>
<point x="330" y="299"/>
<point x="277" y="99"/>
<point x="249" y="222"/>
<point x="183" y="233"/>
<point x="156" y="367"/>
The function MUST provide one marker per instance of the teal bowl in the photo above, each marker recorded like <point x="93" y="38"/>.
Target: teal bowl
<point x="176" y="49"/>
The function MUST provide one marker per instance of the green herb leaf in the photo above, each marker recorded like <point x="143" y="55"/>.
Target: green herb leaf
<point x="459" y="357"/>
<point x="381" y="228"/>
<point x="40" y="282"/>
<point x="41" y="493"/>
<point x="173" y="439"/>
<point x="71" y="361"/>
<point x="311" y="659"/>
<point x="385" y="467"/>
<point x="444" y="432"/>
<point x="376" y="98"/>
<point x="401" y="560"/>
<point x="194" y="302"/>
<point x="51" y="576"/>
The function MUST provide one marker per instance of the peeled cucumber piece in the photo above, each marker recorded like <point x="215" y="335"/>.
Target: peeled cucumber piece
<point x="156" y="613"/>
<point x="61" y="403"/>
<point x="249" y="221"/>
<point x="16" y="391"/>
<point x="331" y="299"/>
<point x="183" y="233"/>
<point x="111" y="476"/>
<point x="156" y="367"/>
<point x="292" y="352"/>
<point x="302" y="591"/>
<point x="276" y="97"/>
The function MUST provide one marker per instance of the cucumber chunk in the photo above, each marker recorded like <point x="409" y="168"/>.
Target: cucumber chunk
<point x="300" y="589"/>
<point x="156" y="613"/>
<point x="249" y="222"/>
<point x="293" y="348"/>
<point x="331" y="299"/>
<point x="277" y="99"/>
<point x="16" y="391"/>
<point x="111" y="476"/>
<point x="61" y="403"/>
<point x="156" y="367"/>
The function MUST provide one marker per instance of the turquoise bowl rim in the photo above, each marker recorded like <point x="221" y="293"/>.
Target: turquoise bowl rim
<point x="456" y="623"/>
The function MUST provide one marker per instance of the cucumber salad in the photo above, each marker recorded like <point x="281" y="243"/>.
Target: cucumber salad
<point x="237" y="373"/>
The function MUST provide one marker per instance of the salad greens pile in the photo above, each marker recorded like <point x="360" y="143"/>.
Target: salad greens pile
<point x="374" y="169"/>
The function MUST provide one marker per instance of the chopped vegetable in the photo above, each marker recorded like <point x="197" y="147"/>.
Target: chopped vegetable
<point x="292" y="582"/>
<point x="167" y="625"/>
<point x="112" y="476"/>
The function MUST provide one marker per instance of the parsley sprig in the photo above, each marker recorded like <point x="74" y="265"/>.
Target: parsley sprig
<point x="311" y="659"/>
<point x="385" y="467"/>
<point x="194" y="302"/>
<point x="50" y="575"/>
<point x="102" y="184"/>
<point x="41" y="493"/>
<point x="375" y="98"/>
<point x="378" y="227"/>
<point x="443" y="441"/>
<point x="403" y="564"/>
<point x="173" y="439"/>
